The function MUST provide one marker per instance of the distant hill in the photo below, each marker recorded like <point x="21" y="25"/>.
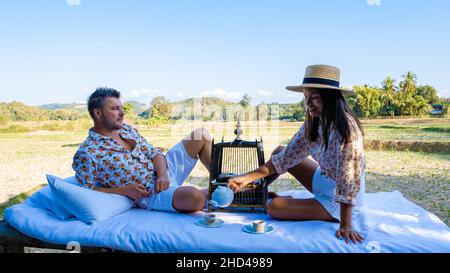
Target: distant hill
<point x="194" y="108"/>
<point x="204" y="101"/>
<point x="208" y="108"/>
<point x="82" y="107"/>
<point x="17" y="111"/>
<point x="138" y="107"/>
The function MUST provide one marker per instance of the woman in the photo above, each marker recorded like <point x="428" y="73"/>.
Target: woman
<point x="332" y="135"/>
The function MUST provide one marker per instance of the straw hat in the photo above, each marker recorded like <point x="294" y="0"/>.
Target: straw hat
<point x="321" y="76"/>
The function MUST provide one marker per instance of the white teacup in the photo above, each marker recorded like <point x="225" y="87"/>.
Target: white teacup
<point x="210" y="218"/>
<point x="259" y="226"/>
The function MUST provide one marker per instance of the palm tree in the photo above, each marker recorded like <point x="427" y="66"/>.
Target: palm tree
<point x="408" y="85"/>
<point x="389" y="90"/>
<point x="245" y="101"/>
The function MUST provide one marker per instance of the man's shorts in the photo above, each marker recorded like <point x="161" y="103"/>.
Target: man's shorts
<point x="179" y="166"/>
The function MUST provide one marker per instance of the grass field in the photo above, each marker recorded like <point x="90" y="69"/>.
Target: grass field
<point x="423" y="177"/>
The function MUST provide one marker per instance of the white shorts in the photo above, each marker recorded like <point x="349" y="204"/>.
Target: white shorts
<point x="179" y="166"/>
<point x="324" y="190"/>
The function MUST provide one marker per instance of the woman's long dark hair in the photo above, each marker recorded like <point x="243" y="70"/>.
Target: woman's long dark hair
<point x="334" y="112"/>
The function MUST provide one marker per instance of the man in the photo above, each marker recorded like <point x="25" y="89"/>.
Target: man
<point x="115" y="158"/>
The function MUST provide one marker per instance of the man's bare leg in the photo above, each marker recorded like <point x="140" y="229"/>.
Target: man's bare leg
<point x="198" y="146"/>
<point x="188" y="199"/>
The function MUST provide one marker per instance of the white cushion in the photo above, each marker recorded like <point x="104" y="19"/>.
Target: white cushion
<point x="88" y="205"/>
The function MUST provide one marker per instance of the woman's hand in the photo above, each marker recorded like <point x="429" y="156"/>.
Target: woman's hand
<point x="238" y="182"/>
<point x="349" y="234"/>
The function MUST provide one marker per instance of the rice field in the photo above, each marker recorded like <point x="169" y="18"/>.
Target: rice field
<point x="423" y="177"/>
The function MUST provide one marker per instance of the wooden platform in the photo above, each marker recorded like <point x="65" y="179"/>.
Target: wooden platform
<point x="13" y="241"/>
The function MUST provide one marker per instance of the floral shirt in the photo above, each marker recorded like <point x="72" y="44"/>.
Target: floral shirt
<point x="344" y="163"/>
<point x="102" y="161"/>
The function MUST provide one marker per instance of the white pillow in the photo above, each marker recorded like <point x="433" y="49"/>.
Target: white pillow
<point x="88" y="205"/>
<point x="45" y="199"/>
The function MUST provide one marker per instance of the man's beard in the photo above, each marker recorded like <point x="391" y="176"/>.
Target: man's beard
<point x="113" y="124"/>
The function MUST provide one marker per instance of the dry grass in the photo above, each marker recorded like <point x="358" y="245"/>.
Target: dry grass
<point x="406" y="121"/>
<point x="413" y="146"/>
<point x="423" y="178"/>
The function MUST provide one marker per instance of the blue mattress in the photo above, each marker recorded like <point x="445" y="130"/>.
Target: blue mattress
<point x="389" y="222"/>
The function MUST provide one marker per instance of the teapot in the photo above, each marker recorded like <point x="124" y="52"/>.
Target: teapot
<point x="222" y="197"/>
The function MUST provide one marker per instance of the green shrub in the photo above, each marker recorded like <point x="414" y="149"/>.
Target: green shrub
<point x="53" y="126"/>
<point x="158" y="120"/>
<point x="69" y="125"/>
<point x="15" y="129"/>
<point x="436" y="129"/>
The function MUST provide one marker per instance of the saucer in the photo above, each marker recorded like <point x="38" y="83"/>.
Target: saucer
<point x="249" y="229"/>
<point x="202" y="223"/>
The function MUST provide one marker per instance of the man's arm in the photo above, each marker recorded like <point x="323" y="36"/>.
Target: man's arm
<point x="159" y="162"/>
<point x="118" y="190"/>
<point x="133" y="191"/>
<point x="162" y="182"/>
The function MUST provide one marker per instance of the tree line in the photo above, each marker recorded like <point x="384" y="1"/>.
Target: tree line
<point x="406" y="98"/>
<point x="17" y="111"/>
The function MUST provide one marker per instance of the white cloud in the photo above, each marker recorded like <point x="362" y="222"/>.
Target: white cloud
<point x="374" y="2"/>
<point x="264" y="93"/>
<point x="73" y="2"/>
<point x="143" y="95"/>
<point x="258" y="96"/>
<point x="443" y="93"/>
<point x="222" y="94"/>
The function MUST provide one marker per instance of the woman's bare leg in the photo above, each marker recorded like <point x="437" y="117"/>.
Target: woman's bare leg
<point x="271" y="178"/>
<point x="304" y="172"/>
<point x="298" y="209"/>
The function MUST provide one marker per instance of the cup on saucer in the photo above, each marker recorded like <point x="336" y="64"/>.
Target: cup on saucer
<point x="210" y="218"/>
<point x="259" y="226"/>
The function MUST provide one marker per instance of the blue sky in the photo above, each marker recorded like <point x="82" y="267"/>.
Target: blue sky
<point x="61" y="50"/>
